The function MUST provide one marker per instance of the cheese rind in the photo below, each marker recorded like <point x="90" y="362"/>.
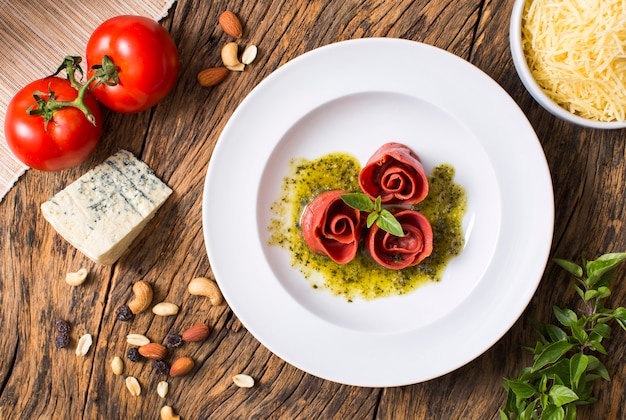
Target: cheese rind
<point x="104" y="210"/>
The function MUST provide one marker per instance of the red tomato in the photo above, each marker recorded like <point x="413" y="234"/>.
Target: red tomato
<point x="146" y="59"/>
<point x="65" y="140"/>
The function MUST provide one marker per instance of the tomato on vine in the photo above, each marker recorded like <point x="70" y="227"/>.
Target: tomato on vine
<point x="52" y="123"/>
<point x="139" y="60"/>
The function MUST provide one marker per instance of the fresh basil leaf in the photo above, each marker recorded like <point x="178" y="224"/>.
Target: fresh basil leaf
<point x="561" y="395"/>
<point x="570" y="267"/>
<point x="579" y="333"/>
<point x="378" y="204"/>
<point x="577" y="366"/>
<point x="595" y="345"/>
<point x="603" y="292"/>
<point x="358" y="201"/>
<point x="601" y="330"/>
<point x="551" y="353"/>
<point x="371" y="218"/>
<point x="590" y="294"/>
<point x="603" y="267"/>
<point x="552" y="412"/>
<point x="570" y="412"/>
<point x="596" y="367"/>
<point x="556" y="333"/>
<point x="620" y="313"/>
<point x="389" y="223"/>
<point x="565" y="316"/>
<point x="520" y="389"/>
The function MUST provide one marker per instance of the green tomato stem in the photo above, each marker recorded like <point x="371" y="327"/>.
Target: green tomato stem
<point x="106" y="73"/>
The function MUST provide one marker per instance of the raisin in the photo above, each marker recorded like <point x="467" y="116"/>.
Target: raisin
<point x="133" y="354"/>
<point x="173" y="341"/>
<point x="62" y="341"/>
<point x="123" y="313"/>
<point x="161" y="367"/>
<point x="62" y="326"/>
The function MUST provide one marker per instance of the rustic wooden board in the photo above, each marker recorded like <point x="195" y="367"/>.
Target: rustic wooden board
<point x="176" y="138"/>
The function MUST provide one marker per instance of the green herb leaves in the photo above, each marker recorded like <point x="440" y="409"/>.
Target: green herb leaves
<point x="564" y="368"/>
<point x="382" y="217"/>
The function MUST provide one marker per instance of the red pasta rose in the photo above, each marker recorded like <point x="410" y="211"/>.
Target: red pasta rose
<point x="396" y="174"/>
<point x="331" y="227"/>
<point x="397" y="252"/>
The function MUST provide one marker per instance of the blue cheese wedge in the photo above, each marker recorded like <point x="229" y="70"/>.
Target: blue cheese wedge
<point x="103" y="211"/>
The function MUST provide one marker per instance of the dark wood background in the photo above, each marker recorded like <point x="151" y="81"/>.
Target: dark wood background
<point x="176" y="139"/>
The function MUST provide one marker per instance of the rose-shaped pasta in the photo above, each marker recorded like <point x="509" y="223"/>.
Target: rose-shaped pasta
<point x="397" y="252"/>
<point x="396" y="174"/>
<point x="331" y="227"/>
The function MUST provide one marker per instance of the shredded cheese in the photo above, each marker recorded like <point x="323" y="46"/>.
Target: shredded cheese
<point x="575" y="51"/>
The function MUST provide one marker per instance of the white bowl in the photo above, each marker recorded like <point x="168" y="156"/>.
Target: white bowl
<point x="521" y="65"/>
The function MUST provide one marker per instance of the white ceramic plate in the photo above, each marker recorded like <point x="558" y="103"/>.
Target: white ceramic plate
<point x="352" y="97"/>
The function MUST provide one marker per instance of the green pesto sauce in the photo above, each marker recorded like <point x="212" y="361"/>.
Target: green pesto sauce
<point x="363" y="278"/>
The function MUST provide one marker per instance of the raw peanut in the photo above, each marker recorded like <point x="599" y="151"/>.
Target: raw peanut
<point x="143" y="297"/>
<point x="133" y="386"/>
<point x="212" y="76"/>
<point x="243" y="381"/>
<point x="137" y="340"/>
<point x="181" y="366"/>
<point x="165" y="309"/>
<point x="230" y="53"/>
<point x="249" y="54"/>
<point x="201" y="286"/>
<point x="162" y="389"/>
<point x="167" y="413"/>
<point x="76" y="278"/>
<point x="153" y="351"/>
<point x="84" y="344"/>
<point x="198" y="332"/>
<point x="230" y="24"/>
<point x="117" y="365"/>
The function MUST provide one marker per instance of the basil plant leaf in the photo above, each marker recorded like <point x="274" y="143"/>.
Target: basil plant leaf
<point x="389" y="223"/>
<point x="371" y="218"/>
<point x="561" y="395"/>
<point x="358" y="201"/>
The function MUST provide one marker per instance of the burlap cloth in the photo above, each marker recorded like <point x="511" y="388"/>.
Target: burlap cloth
<point x="35" y="35"/>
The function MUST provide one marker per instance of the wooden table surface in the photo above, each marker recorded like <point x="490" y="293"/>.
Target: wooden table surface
<point x="176" y="138"/>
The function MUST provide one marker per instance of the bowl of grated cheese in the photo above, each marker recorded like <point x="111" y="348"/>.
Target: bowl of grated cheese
<point x="571" y="57"/>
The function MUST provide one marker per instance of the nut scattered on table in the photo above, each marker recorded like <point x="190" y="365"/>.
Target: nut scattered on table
<point x="167" y="413"/>
<point x="231" y="24"/>
<point x="153" y="351"/>
<point x="212" y="76"/>
<point x="181" y="366"/>
<point x="249" y="54"/>
<point x="133" y="386"/>
<point x="201" y="286"/>
<point x="243" y="381"/>
<point x="137" y="340"/>
<point x="230" y="57"/>
<point x="76" y="278"/>
<point x="163" y="388"/>
<point x="198" y="332"/>
<point x="117" y="365"/>
<point x="84" y="344"/>
<point x="165" y="309"/>
<point x="142" y="297"/>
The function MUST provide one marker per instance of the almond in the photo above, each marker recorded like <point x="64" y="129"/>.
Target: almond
<point x="181" y="366"/>
<point x="153" y="351"/>
<point x="198" y="332"/>
<point x="212" y="76"/>
<point x="230" y="24"/>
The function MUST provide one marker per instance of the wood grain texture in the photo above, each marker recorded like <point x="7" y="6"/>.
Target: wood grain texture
<point x="176" y="138"/>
